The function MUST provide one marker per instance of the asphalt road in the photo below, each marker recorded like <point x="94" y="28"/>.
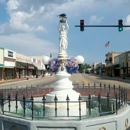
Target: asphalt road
<point x="41" y="82"/>
<point x="97" y="79"/>
<point x="80" y="79"/>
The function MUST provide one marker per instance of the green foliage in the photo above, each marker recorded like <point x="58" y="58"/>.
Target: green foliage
<point x="83" y="67"/>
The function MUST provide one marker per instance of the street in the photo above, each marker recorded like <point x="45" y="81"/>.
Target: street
<point x="77" y="78"/>
<point x="97" y="79"/>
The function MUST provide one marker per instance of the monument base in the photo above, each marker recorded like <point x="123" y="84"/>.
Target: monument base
<point x="62" y="110"/>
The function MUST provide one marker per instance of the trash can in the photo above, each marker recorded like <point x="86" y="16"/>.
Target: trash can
<point x="36" y="76"/>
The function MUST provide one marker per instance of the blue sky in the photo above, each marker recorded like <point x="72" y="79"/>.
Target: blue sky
<point x="29" y="27"/>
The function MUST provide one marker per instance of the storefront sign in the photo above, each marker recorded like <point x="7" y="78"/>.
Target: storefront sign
<point x="30" y="67"/>
<point x="9" y="59"/>
<point x="10" y="54"/>
<point x="9" y="64"/>
<point x="1" y="57"/>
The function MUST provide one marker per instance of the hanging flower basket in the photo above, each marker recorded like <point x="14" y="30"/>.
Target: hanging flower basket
<point x="53" y="65"/>
<point x="71" y="65"/>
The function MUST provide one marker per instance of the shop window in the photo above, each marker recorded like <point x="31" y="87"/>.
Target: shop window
<point x="34" y="60"/>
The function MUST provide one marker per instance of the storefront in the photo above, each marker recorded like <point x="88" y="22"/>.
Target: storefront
<point x="24" y="66"/>
<point x="25" y="69"/>
<point x="1" y="63"/>
<point x="9" y="64"/>
<point x="40" y="66"/>
<point x="19" y="70"/>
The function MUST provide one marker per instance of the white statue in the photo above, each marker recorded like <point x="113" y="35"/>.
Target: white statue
<point x="63" y="38"/>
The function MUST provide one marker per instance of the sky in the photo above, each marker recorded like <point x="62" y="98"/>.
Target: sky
<point x="29" y="27"/>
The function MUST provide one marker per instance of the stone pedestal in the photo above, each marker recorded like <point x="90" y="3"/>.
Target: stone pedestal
<point x="63" y="87"/>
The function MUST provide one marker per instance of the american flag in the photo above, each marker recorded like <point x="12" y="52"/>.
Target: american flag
<point x="107" y="44"/>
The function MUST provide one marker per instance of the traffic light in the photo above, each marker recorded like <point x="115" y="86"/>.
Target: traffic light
<point x="120" y="25"/>
<point x="81" y="25"/>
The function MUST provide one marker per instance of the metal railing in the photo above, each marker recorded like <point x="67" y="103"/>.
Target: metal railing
<point x="108" y="100"/>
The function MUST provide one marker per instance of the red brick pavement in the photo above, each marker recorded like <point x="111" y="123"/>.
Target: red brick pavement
<point x="39" y="92"/>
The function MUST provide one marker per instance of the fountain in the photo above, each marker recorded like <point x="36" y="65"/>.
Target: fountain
<point x="64" y="108"/>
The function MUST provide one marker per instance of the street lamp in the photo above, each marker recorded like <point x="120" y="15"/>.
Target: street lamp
<point x="80" y="60"/>
<point x="45" y="61"/>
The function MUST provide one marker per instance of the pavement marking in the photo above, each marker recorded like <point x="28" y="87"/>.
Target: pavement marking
<point x="84" y="81"/>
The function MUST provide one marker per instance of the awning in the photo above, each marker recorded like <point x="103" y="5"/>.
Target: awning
<point x="112" y="66"/>
<point x="26" y="65"/>
<point x="18" y="65"/>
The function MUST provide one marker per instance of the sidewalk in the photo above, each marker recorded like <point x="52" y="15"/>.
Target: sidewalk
<point x="19" y="79"/>
<point x="114" y="78"/>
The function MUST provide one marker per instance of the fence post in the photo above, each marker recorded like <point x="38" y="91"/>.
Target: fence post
<point x="109" y="89"/>
<point x="119" y="88"/>
<point x="119" y="99"/>
<point x="32" y="105"/>
<point x="44" y="99"/>
<point x="89" y="100"/>
<point x="17" y="90"/>
<point x="105" y="89"/>
<point x="27" y="91"/>
<point x="94" y="89"/>
<point x="80" y="107"/>
<point x="108" y="101"/>
<point x="126" y="96"/>
<point x="88" y="88"/>
<point x="121" y="95"/>
<point x="116" y="103"/>
<point x="114" y="89"/>
<point x="37" y="89"/>
<point x="67" y="99"/>
<point x="16" y="99"/>
<point x="55" y="99"/>
<point x="99" y="103"/>
<point x="9" y="102"/>
<point x="2" y="103"/>
<point x="100" y="88"/>
<point x="24" y="107"/>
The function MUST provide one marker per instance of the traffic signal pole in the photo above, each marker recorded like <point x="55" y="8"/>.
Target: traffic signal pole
<point x="120" y="25"/>
<point x="102" y="25"/>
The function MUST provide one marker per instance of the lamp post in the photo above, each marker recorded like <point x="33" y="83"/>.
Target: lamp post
<point x="80" y="60"/>
<point x="45" y="61"/>
<point x="27" y="72"/>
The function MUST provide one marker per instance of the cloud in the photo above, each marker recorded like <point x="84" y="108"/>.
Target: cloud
<point x="127" y="21"/>
<point x="2" y="1"/>
<point x="27" y="44"/>
<point x="95" y="19"/>
<point x="26" y="16"/>
<point x="37" y="15"/>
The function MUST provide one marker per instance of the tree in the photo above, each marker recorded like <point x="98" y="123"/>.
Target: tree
<point x="83" y="67"/>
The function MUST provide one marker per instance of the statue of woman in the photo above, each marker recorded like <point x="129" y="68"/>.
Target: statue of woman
<point x="63" y="38"/>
